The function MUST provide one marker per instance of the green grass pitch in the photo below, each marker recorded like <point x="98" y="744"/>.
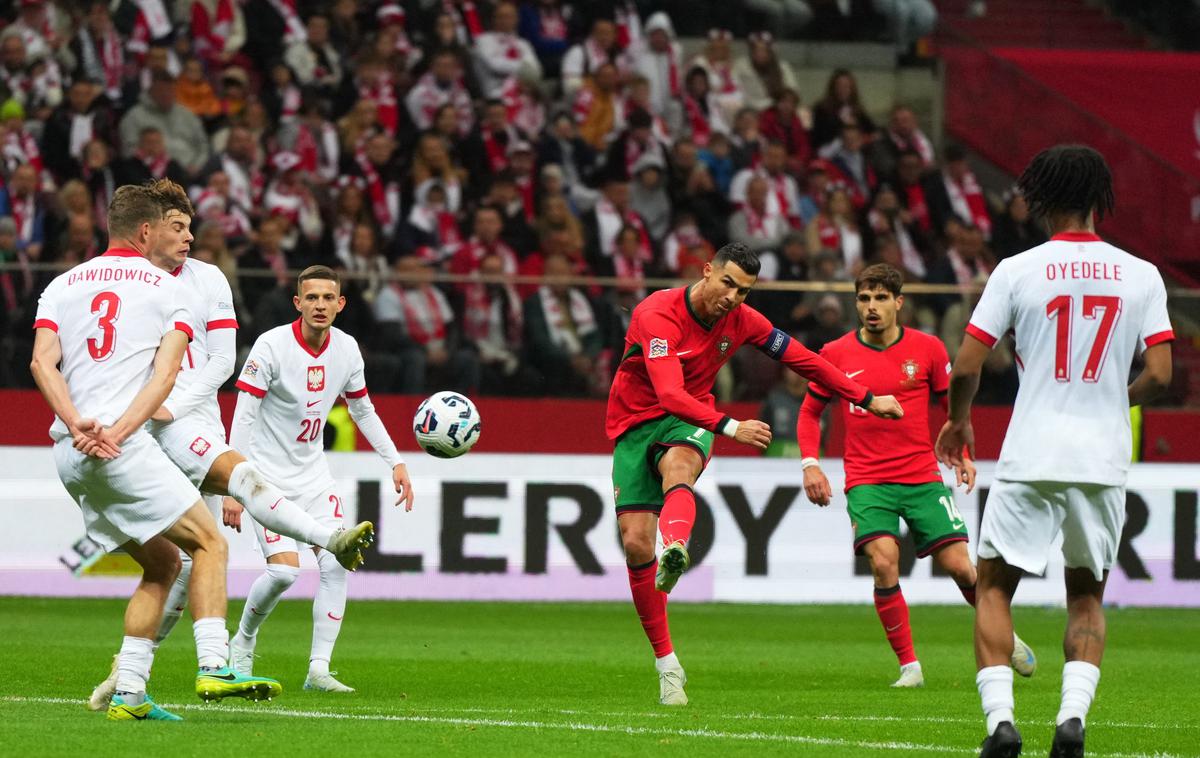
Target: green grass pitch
<point x="578" y="679"/>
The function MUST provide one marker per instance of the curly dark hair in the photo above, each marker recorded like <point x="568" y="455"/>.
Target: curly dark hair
<point x="1068" y="179"/>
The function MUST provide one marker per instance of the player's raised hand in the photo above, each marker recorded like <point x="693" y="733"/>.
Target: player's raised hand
<point x="965" y="474"/>
<point x="231" y="513"/>
<point x="953" y="441"/>
<point x="886" y="406"/>
<point x="754" y="433"/>
<point x="816" y="486"/>
<point x="403" y="486"/>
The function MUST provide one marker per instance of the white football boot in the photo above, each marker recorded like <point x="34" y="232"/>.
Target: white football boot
<point x="910" y="676"/>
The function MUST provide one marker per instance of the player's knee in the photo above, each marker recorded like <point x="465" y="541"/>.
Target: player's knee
<point x="332" y="572"/>
<point x="282" y="576"/>
<point x="639" y="548"/>
<point x="885" y="569"/>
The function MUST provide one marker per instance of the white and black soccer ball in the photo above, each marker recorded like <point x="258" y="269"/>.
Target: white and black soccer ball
<point x="447" y="424"/>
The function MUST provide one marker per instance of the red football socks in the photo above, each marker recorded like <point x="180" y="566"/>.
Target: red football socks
<point x="968" y="594"/>
<point x="893" y="614"/>
<point x="651" y="607"/>
<point x="678" y="514"/>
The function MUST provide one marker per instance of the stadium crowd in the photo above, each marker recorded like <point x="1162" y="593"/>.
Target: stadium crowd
<point x="395" y="140"/>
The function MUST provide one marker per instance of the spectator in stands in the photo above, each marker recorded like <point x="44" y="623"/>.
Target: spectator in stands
<point x="376" y="162"/>
<point x="218" y="31"/>
<point x="887" y="218"/>
<point x="97" y="173"/>
<point x="598" y="109"/>
<point x="214" y="204"/>
<point x="18" y="147"/>
<point x="839" y="106"/>
<point x="562" y="145"/>
<point x="84" y="116"/>
<point x="964" y="261"/>
<point x="956" y="193"/>
<point x="441" y="86"/>
<point x="562" y="332"/>
<point x="788" y="16"/>
<point x="34" y="82"/>
<point x="186" y="141"/>
<point x="556" y="216"/>
<point x="432" y="162"/>
<point x="717" y="61"/>
<point x="648" y="196"/>
<point x="789" y="264"/>
<point x="761" y="75"/>
<point x="586" y="57"/>
<point x="28" y="207"/>
<point x="829" y="322"/>
<point x="501" y="53"/>
<point x="99" y="52"/>
<point x="757" y="222"/>
<point x="781" y="123"/>
<point x="835" y="228"/>
<point x="486" y="240"/>
<point x="663" y="124"/>
<point x="366" y="263"/>
<point x="493" y="321"/>
<point x="903" y="134"/>
<point x="416" y="322"/>
<point x="432" y="232"/>
<point x="747" y="140"/>
<point x="612" y="211"/>
<point x="717" y="158"/>
<point x="313" y="59"/>
<point x="194" y="92"/>
<point x="703" y="115"/>
<point x="504" y="195"/>
<point x="632" y="144"/>
<point x="659" y="60"/>
<point x="74" y="201"/>
<point x="784" y="194"/>
<point x="848" y="164"/>
<point x="546" y="24"/>
<point x="1016" y="230"/>
<point x="290" y="195"/>
<point x="685" y="246"/>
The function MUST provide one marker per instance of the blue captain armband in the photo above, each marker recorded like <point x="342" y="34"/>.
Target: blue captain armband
<point x="776" y="343"/>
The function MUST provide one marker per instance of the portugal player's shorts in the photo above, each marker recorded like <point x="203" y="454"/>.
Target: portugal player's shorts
<point x="637" y="485"/>
<point x="190" y="444"/>
<point x="876" y="509"/>
<point x="1022" y="519"/>
<point x="135" y="496"/>
<point x="326" y="508"/>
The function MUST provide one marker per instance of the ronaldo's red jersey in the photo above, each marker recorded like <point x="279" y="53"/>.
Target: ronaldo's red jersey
<point x="887" y="452"/>
<point x="671" y="360"/>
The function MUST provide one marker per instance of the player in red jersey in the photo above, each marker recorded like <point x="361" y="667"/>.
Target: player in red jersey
<point x="891" y="470"/>
<point x="662" y="418"/>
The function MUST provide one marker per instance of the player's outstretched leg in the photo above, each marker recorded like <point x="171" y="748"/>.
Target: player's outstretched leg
<point x="675" y="523"/>
<point x="263" y="597"/>
<point x="637" y="536"/>
<point x="329" y="607"/>
<point x="892" y="609"/>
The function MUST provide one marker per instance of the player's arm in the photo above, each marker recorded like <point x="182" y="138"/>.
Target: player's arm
<point x="369" y="423"/>
<point x="240" y="428"/>
<point x="956" y="442"/>
<point x="778" y="345"/>
<point x="808" y="435"/>
<point x="166" y="366"/>
<point x="939" y="387"/>
<point x="222" y="353"/>
<point x="660" y="340"/>
<point x="47" y="354"/>
<point x="1155" y="376"/>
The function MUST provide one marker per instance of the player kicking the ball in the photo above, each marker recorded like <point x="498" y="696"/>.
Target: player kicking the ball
<point x="1081" y="311"/>
<point x="891" y="471"/>
<point x="188" y="425"/>
<point x="662" y="419"/>
<point x="290" y="381"/>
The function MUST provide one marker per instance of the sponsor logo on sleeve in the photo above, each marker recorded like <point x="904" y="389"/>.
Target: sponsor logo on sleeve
<point x="251" y="369"/>
<point x="658" y="348"/>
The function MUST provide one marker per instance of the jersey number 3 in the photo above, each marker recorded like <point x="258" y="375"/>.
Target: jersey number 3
<point x="108" y="305"/>
<point x="1060" y="308"/>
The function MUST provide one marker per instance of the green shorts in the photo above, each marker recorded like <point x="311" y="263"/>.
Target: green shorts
<point x="876" y="509"/>
<point x="637" y="485"/>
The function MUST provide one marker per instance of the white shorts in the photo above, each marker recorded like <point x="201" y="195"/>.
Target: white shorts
<point x="191" y="444"/>
<point x="1021" y="520"/>
<point x="135" y="496"/>
<point x="326" y="508"/>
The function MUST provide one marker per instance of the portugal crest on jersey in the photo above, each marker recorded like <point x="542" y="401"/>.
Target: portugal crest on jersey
<point x="724" y="345"/>
<point x="909" y="367"/>
<point x="316" y="378"/>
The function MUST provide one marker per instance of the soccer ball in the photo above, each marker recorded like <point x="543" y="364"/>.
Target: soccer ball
<point x="446" y="425"/>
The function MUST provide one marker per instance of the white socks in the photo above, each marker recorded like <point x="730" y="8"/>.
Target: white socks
<point x="133" y="665"/>
<point x="1079" y="680"/>
<point x="329" y="606"/>
<point x="995" y="685"/>
<point x="212" y="642"/>
<point x="264" y="596"/>
<point x="272" y="510"/>
<point x="176" y="600"/>
<point x="667" y="663"/>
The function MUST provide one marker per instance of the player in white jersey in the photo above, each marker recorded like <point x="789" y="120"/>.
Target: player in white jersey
<point x="117" y="327"/>
<point x="291" y="379"/>
<point x="188" y="426"/>
<point x="1081" y="310"/>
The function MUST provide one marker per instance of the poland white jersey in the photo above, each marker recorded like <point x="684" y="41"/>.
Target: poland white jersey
<point x="298" y="387"/>
<point x="205" y="293"/>
<point x="111" y="314"/>
<point x="1080" y="310"/>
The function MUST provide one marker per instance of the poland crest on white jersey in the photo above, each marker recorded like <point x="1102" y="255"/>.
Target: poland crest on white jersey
<point x="111" y="313"/>
<point x="298" y="387"/>
<point x="1080" y="310"/>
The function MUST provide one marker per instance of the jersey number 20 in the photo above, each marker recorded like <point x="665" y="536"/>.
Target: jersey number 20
<point x="1060" y="308"/>
<point x="108" y="305"/>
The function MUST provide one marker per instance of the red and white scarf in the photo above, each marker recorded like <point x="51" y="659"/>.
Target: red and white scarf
<point x="609" y="221"/>
<point x="293" y="27"/>
<point x="156" y="166"/>
<point x="567" y="326"/>
<point x="552" y="23"/>
<point x="424" y="314"/>
<point x="466" y="20"/>
<point x="482" y="311"/>
<point x="497" y="148"/>
<point x="152" y="22"/>
<point x="443" y="226"/>
<point x="24" y="210"/>
<point x="212" y="33"/>
<point x="917" y="207"/>
<point x="112" y="59"/>
<point x="968" y="202"/>
<point x="382" y="91"/>
<point x="697" y="117"/>
<point x="385" y="198"/>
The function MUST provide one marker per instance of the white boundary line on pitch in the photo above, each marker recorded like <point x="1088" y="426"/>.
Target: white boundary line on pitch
<point x="794" y="739"/>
